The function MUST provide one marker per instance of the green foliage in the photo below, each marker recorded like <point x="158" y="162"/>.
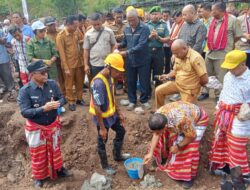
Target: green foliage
<point x="57" y="8"/>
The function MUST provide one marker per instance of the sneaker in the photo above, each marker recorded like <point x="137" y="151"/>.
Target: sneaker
<point x="109" y="170"/>
<point x="124" y="102"/>
<point x="63" y="172"/>
<point x="175" y="97"/>
<point x="203" y="96"/>
<point x="131" y="106"/>
<point x="38" y="183"/>
<point x="147" y="106"/>
<point x="72" y="107"/>
<point x="187" y="184"/>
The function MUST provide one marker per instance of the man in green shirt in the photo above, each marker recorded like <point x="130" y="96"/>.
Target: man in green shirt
<point x="158" y="36"/>
<point x="42" y="48"/>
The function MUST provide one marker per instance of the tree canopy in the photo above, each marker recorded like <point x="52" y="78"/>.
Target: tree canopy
<point x="58" y="8"/>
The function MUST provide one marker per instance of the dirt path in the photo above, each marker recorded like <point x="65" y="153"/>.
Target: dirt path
<point x="79" y="151"/>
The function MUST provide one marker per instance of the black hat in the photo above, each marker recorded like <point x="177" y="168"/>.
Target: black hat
<point x="37" y="66"/>
<point x="49" y="20"/>
<point x="118" y="10"/>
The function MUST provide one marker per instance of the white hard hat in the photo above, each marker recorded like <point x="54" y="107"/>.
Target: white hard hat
<point x="38" y="25"/>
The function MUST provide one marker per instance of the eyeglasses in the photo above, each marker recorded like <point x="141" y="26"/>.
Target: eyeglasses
<point x="42" y="31"/>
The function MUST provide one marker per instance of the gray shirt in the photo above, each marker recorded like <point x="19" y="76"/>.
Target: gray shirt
<point x="194" y="34"/>
<point x="102" y="48"/>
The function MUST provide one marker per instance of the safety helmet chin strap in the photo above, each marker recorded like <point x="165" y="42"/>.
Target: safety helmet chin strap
<point x="108" y="66"/>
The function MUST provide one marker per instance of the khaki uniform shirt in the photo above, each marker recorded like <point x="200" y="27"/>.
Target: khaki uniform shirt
<point x="189" y="71"/>
<point x="243" y="45"/>
<point x="69" y="50"/>
<point x="52" y="37"/>
<point x="102" y="48"/>
<point x="118" y="31"/>
<point x="234" y="30"/>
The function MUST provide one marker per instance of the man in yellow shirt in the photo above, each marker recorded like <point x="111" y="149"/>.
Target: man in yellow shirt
<point x="189" y="72"/>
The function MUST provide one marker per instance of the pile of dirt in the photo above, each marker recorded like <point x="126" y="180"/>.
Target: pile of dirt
<point x="79" y="138"/>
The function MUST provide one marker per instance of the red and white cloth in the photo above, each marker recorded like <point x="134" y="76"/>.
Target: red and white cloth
<point x="227" y="148"/>
<point x="19" y="48"/>
<point x="44" y="146"/>
<point x="184" y="164"/>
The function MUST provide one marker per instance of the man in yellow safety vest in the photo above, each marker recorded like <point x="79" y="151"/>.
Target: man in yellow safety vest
<point x="105" y="111"/>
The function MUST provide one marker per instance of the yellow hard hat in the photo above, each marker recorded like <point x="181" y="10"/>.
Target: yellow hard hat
<point x="115" y="61"/>
<point x="140" y="12"/>
<point x="129" y="8"/>
<point x="233" y="59"/>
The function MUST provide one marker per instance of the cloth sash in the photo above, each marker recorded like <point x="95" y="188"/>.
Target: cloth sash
<point x="221" y="41"/>
<point x="44" y="144"/>
<point x="225" y="116"/>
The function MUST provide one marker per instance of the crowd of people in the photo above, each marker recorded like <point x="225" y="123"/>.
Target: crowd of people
<point x="158" y="53"/>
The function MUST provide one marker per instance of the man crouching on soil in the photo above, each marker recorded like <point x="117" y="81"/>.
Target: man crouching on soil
<point x="177" y="131"/>
<point x="39" y="100"/>
<point x="105" y="111"/>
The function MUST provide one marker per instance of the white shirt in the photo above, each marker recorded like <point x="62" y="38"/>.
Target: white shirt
<point x="236" y="89"/>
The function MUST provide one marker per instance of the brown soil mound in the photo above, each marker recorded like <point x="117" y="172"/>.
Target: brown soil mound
<point x="79" y="151"/>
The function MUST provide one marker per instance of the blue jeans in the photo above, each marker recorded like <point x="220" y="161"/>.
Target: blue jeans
<point x="132" y="74"/>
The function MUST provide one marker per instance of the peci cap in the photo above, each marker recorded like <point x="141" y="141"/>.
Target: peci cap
<point x="118" y="10"/>
<point x="233" y="59"/>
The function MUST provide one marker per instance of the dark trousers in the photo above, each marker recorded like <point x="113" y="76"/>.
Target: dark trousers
<point x="94" y="71"/>
<point x="17" y="69"/>
<point x="248" y="60"/>
<point x="168" y="55"/>
<point x="5" y="75"/>
<point x="157" y="63"/>
<point x="132" y="74"/>
<point x="117" y="142"/>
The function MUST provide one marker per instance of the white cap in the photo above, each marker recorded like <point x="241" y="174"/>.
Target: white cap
<point x="6" y="21"/>
<point x="38" y="25"/>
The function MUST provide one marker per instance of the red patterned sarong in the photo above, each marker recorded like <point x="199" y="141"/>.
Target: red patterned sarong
<point x="44" y="146"/>
<point x="184" y="164"/>
<point x="226" y="148"/>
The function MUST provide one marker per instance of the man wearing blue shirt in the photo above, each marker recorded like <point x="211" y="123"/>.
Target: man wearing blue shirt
<point x="5" y="70"/>
<point x="26" y="29"/>
<point x="137" y="59"/>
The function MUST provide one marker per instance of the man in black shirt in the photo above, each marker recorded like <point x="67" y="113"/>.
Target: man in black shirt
<point x="39" y="101"/>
